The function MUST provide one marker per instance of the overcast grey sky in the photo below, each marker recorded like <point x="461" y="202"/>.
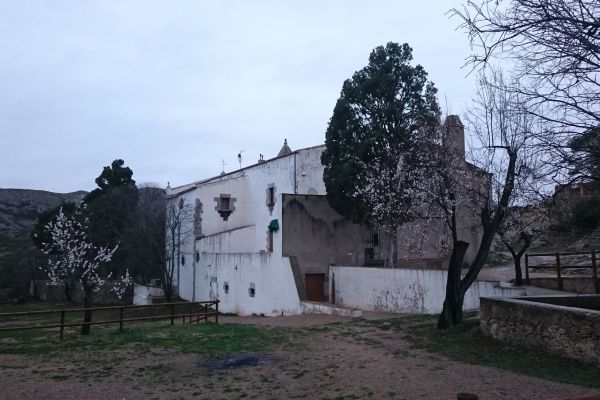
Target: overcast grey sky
<point x="174" y="87"/>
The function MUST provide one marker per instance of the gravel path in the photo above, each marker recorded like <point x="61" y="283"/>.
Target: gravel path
<point x="347" y="360"/>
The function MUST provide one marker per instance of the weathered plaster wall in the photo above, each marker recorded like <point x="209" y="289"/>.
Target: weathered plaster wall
<point x="240" y="240"/>
<point x="245" y="230"/>
<point x="309" y="176"/>
<point x="317" y="236"/>
<point x="269" y="274"/>
<point x="401" y="290"/>
<point x="143" y="294"/>
<point x="572" y="332"/>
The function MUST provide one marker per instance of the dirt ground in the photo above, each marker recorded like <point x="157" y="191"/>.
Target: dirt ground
<point x="348" y="360"/>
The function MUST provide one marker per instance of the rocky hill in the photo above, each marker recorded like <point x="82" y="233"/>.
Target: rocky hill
<point x="19" y="207"/>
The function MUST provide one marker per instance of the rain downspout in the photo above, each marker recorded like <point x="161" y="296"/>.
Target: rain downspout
<point x="194" y="272"/>
<point x="178" y="257"/>
<point x="295" y="176"/>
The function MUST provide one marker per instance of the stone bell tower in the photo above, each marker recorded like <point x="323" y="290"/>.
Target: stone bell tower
<point x="454" y="134"/>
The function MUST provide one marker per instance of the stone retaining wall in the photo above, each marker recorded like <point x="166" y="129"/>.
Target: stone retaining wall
<point x="568" y="331"/>
<point x="575" y="284"/>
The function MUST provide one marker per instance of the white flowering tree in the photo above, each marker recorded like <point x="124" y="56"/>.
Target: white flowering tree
<point x="73" y="258"/>
<point x="389" y="190"/>
<point x="373" y="141"/>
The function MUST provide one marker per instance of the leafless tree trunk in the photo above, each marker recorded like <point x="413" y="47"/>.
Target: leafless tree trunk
<point x="517" y="254"/>
<point x="87" y="314"/>
<point x="507" y="133"/>
<point x="179" y="228"/>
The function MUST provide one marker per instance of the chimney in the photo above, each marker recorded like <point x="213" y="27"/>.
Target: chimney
<point x="454" y="134"/>
<point x="261" y="159"/>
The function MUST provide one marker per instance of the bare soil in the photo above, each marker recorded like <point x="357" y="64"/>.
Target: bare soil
<point x="351" y="359"/>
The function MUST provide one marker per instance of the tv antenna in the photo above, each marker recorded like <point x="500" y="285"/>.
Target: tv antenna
<point x="223" y="164"/>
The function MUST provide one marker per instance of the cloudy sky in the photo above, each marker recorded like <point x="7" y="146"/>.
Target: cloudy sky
<point x="174" y="87"/>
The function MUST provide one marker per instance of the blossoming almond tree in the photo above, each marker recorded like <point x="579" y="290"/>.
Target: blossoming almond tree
<point x="389" y="192"/>
<point x="73" y="258"/>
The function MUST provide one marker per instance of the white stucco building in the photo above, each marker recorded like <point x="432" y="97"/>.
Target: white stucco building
<point x="234" y="255"/>
<point x="265" y="239"/>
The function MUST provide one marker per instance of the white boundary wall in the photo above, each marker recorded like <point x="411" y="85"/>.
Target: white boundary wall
<point x="269" y="274"/>
<point x="418" y="291"/>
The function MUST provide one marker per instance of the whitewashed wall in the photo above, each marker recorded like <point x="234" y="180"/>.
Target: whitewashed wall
<point x="143" y="294"/>
<point x="242" y="239"/>
<point x="402" y="290"/>
<point x="246" y="227"/>
<point x="271" y="275"/>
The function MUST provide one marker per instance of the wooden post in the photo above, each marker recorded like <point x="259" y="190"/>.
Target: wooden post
<point x="172" y="314"/>
<point x="527" y="269"/>
<point x="205" y="312"/>
<point x="121" y="319"/>
<point x="217" y="312"/>
<point x="62" y="323"/>
<point x="558" y="275"/>
<point x="595" y="273"/>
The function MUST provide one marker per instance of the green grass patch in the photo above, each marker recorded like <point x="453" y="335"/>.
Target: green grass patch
<point x="10" y="308"/>
<point x="207" y="338"/>
<point x="467" y="343"/>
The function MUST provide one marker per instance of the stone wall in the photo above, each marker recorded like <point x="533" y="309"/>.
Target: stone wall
<point x="575" y="284"/>
<point x="568" y="331"/>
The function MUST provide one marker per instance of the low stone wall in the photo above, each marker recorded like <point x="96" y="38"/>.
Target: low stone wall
<point x="568" y="331"/>
<point x="575" y="284"/>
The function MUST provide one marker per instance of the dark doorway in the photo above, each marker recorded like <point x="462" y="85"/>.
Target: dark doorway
<point x="371" y="245"/>
<point x="315" y="287"/>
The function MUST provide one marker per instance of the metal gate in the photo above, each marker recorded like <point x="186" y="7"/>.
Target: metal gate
<point x="371" y="245"/>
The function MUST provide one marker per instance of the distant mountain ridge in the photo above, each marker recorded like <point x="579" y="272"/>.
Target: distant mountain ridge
<point x="19" y="207"/>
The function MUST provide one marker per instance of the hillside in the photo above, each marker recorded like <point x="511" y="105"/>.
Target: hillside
<point x="19" y="207"/>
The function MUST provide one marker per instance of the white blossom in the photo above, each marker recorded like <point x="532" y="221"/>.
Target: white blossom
<point x="72" y="257"/>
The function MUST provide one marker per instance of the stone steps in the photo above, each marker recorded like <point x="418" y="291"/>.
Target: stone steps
<point x="313" y="307"/>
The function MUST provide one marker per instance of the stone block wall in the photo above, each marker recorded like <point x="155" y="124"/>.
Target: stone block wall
<point x="567" y="331"/>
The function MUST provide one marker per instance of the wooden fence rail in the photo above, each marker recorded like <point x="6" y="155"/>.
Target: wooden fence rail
<point x="203" y="311"/>
<point x="558" y="266"/>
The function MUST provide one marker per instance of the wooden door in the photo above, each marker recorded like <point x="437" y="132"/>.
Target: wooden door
<point x="315" y="287"/>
